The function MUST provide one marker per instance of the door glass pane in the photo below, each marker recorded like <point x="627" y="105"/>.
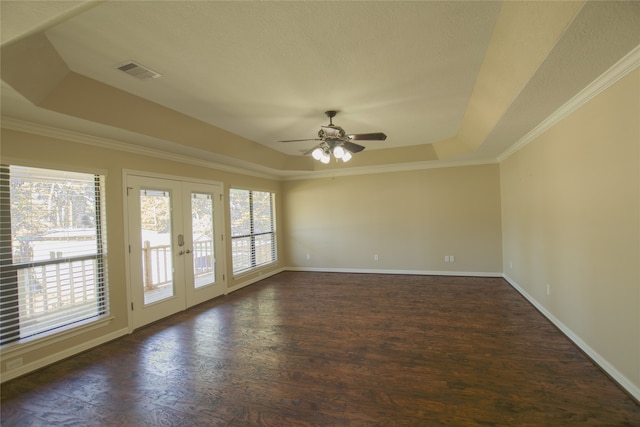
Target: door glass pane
<point x="203" y="234"/>
<point x="157" y="256"/>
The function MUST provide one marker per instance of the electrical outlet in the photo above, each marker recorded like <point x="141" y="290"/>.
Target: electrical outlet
<point x="446" y="258"/>
<point x="375" y="257"/>
<point x="308" y="256"/>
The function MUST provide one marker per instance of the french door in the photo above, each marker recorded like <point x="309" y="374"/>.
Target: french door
<point x="176" y="254"/>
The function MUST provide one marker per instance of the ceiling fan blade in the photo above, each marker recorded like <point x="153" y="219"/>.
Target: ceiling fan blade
<point x="300" y="140"/>
<point x="377" y="136"/>
<point x="354" y="148"/>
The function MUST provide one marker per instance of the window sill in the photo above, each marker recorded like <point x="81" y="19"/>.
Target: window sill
<point x="33" y="343"/>
<point x="260" y="270"/>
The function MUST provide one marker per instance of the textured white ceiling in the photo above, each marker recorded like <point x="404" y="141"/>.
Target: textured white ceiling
<point x="480" y="74"/>
<point x="268" y="70"/>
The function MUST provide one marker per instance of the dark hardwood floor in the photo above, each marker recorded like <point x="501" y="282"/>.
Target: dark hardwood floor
<point x="328" y="349"/>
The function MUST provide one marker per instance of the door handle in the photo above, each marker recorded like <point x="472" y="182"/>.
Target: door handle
<point x="188" y="251"/>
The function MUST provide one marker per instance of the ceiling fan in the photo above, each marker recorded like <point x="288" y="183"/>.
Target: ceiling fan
<point x="334" y="140"/>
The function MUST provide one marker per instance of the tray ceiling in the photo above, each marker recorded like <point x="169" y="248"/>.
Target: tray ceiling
<point x="444" y="80"/>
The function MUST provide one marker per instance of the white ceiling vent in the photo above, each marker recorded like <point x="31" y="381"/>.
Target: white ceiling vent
<point x="138" y="71"/>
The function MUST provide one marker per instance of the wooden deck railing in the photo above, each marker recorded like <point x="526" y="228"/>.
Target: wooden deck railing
<point x="157" y="263"/>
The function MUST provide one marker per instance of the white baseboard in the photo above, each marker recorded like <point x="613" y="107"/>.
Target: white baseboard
<point x="411" y="272"/>
<point x="253" y="280"/>
<point x="624" y="382"/>
<point x="56" y="357"/>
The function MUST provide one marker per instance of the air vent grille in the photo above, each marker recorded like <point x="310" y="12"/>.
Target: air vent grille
<point x="138" y="71"/>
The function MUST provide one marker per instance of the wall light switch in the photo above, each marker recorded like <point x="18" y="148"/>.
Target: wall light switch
<point x="446" y="258"/>
<point x="452" y="258"/>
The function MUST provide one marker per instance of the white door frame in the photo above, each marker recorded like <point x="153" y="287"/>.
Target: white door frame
<point x="220" y="232"/>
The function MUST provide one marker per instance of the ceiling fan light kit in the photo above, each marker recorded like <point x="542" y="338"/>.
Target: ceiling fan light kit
<point x="324" y="154"/>
<point x="334" y="140"/>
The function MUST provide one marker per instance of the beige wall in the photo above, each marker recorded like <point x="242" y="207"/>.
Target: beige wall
<point x="571" y="219"/>
<point x="563" y="211"/>
<point x="39" y="151"/>
<point x="411" y="220"/>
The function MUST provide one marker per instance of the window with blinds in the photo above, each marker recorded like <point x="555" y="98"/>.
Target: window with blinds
<point x="253" y="230"/>
<point x="52" y="251"/>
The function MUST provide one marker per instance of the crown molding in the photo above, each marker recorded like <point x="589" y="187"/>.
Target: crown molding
<point x="248" y="169"/>
<point x="627" y="64"/>
<point x="81" y="138"/>
<point x="396" y="167"/>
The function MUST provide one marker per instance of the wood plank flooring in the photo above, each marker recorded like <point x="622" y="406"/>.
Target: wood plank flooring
<point x="329" y="349"/>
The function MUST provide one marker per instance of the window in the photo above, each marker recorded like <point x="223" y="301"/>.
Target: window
<point x="52" y="251"/>
<point x="253" y="231"/>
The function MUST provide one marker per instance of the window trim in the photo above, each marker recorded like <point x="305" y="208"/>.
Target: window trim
<point x="35" y="342"/>
<point x="252" y="235"/>
<point x="77" y="327"/>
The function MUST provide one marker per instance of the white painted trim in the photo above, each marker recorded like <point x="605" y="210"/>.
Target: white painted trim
<point x="128" y="172"/>
<point x="26" y="345"/>
<point x="80" y="138"/>
<point x="624" y="382"/>
<point x="27" y="162"/>
<point x="628" y="63"/>
<point x="260" y="276"/>
<point x="396" y="167"/>
<point x="127" y="243"/>
<point x="126" y="175"/>
<point x="56" y="357"/>
<point x="248" y="169"/>
<point x="410" y="272"/>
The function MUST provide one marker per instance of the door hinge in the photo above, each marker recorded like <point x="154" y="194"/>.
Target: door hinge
<point x="222" y="237"/>
<point x="129" y="188"/>
<point x="129" y="248"/>
<point x="223" y="277"/>
<point x="221" y="197"/>
<point x="131" y="306"/>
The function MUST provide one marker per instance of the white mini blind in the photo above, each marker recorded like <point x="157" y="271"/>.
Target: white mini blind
<point x="53" y="250"/>
<point x="253" y="229"/>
